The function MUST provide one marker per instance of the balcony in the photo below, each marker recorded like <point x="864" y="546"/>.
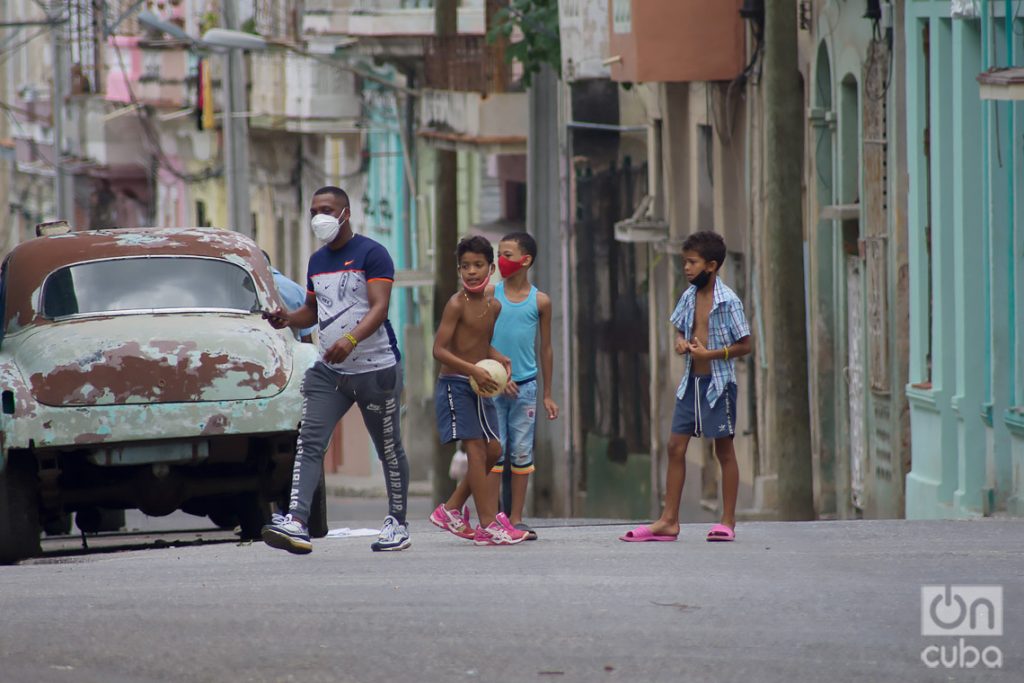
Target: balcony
<point x="675" y="40"/>
<point x="466" y="64"/>
<point x="408" y="17"/>
<point x="157" y="72"/>
<point x="583" y="30"/>
<point x="107" y="136"/>
<point x="391" y="28"/>
<point x="489" y="124"/>
<point x="301" y="95"/>
<point x="466" y="101"/>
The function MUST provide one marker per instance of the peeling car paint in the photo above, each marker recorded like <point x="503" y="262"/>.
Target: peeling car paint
<point x="97" y="362"/>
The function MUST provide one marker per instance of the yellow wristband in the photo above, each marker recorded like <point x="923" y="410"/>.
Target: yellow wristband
<point x="726" y="353"/>
<point x="353" y="340"/>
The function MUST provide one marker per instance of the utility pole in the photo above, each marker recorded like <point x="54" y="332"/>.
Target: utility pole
<point x="236" y="132"/>
<point x="63" y="203"/>
<point x="787" y="410"/>
<point x="446" y="228"/>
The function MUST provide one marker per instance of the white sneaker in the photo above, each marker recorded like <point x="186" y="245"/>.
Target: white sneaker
<point x="393" y="536"/>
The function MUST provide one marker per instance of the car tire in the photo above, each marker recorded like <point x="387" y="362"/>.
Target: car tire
<point x="253" y="512"/>
<point x="318" y="510"/>
<point x="95" y="520"/>
<point x="59" y="525"/>
<point x="19" y="511"/>
<point x="224" y="519"/>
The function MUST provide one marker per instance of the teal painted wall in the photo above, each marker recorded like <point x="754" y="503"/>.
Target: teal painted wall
<point x="966" y="235"/>
<point x="389" y="214"/>
<point x="858" y="373"/>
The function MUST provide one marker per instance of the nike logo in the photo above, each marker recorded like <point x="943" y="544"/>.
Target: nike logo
<point x="349" y="263"/>
<point x="324" y="324"/>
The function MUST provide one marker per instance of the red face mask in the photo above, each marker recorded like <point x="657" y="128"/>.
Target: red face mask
<point x="478" y="288"/>
<point x="508" y="267"/>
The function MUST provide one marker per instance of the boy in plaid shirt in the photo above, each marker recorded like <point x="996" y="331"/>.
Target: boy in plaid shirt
<point x="711" y="331"/>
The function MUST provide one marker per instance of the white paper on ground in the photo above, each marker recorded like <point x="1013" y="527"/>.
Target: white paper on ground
<point x="345" y="532"/>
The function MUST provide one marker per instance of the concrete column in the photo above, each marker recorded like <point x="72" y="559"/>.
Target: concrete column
<point x="553" y="488"/>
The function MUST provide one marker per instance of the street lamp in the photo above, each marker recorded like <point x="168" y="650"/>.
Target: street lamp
<point x="225" y="39"/>
<point x="236" y="127"/>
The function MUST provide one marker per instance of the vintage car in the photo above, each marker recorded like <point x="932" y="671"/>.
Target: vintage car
<point x="136" y="372"/>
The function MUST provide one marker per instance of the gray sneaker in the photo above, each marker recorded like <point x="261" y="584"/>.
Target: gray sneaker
<point x="393" y="536"/>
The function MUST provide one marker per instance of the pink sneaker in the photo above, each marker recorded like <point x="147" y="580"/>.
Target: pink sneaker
<point x="502" y="519"/>
<point x="465" y="516"/>
<point x="451" y="521"/>
<point x="497" y="533"/>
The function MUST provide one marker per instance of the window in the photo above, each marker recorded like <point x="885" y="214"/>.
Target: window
<point x="148" y="284"/>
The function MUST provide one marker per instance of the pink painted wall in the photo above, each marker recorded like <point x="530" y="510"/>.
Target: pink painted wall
<point x="118" y="79"/>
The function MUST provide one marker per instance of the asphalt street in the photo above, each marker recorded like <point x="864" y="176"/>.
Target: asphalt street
<point x="821" y="601"/>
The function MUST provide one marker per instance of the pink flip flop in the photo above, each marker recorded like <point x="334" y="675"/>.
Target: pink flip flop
<point x="642" y="534"/>
<point x="720" y="533"/>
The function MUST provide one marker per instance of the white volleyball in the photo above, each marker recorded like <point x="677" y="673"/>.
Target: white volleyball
<point x="497" y="372"/>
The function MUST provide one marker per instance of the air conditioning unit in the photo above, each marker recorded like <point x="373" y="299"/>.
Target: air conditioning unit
<point x="642" y="226"/>
<point x="647" y="223"/>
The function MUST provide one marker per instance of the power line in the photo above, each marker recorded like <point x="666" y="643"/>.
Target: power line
<point x="153" y="137"/>
<point x="6" y="54"/>
<point x="24" y="112"/>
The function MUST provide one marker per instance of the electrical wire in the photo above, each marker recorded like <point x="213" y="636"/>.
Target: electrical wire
<point x="10" y="39"/>
<point x="9" y="51"/>
<point x="736" y="85"/>
<point x="153" y="137"/>
<point x="24" y="112"/>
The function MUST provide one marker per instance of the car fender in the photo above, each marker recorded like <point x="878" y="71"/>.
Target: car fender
<point x="16" y="403"/>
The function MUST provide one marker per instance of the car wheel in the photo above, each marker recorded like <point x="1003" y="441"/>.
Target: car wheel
<point x="98" y="520"/>
<point x="224" y="519"/>
<point x="253" y="512"/>
<point x="59" y="525"/>
<point x="19" y="511"/>
<point x="318" y="510"/>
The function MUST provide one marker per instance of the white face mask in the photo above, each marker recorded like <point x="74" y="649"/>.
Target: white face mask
<point x="325" y="227"/>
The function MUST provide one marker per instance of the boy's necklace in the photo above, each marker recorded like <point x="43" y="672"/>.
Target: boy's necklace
<point x="485" y="310"/>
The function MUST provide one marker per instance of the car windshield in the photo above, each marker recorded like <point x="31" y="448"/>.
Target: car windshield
<point x="148" y="283"/>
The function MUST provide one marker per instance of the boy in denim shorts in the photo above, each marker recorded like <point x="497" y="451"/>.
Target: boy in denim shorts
<point x="711" y="331"/>
<point x="525" y="312"/>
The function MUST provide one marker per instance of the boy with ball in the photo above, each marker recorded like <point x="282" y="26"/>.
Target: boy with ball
<point x="463" y="410"/>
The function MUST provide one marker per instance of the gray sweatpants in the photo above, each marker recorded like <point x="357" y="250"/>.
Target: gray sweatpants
<point x="326" y="397"/>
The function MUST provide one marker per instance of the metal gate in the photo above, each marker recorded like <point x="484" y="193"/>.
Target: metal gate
<point x="610" y="303"/>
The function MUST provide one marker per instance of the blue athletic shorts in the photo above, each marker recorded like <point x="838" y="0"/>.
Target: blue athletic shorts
<point x="461" y="413"/>
<point x="517" y="418"/>
<point x="694" y="416"/>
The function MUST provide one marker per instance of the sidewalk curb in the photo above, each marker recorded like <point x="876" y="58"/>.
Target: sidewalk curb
<point x="416" y="490"/>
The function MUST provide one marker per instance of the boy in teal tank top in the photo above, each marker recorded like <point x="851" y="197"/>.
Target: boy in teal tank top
<point x="525" y="311"/>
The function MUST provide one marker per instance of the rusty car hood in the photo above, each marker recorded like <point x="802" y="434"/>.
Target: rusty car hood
<point x="182" y="358"/>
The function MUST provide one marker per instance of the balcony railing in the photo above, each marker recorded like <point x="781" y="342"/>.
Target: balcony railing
<point x="465" y="63"/>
